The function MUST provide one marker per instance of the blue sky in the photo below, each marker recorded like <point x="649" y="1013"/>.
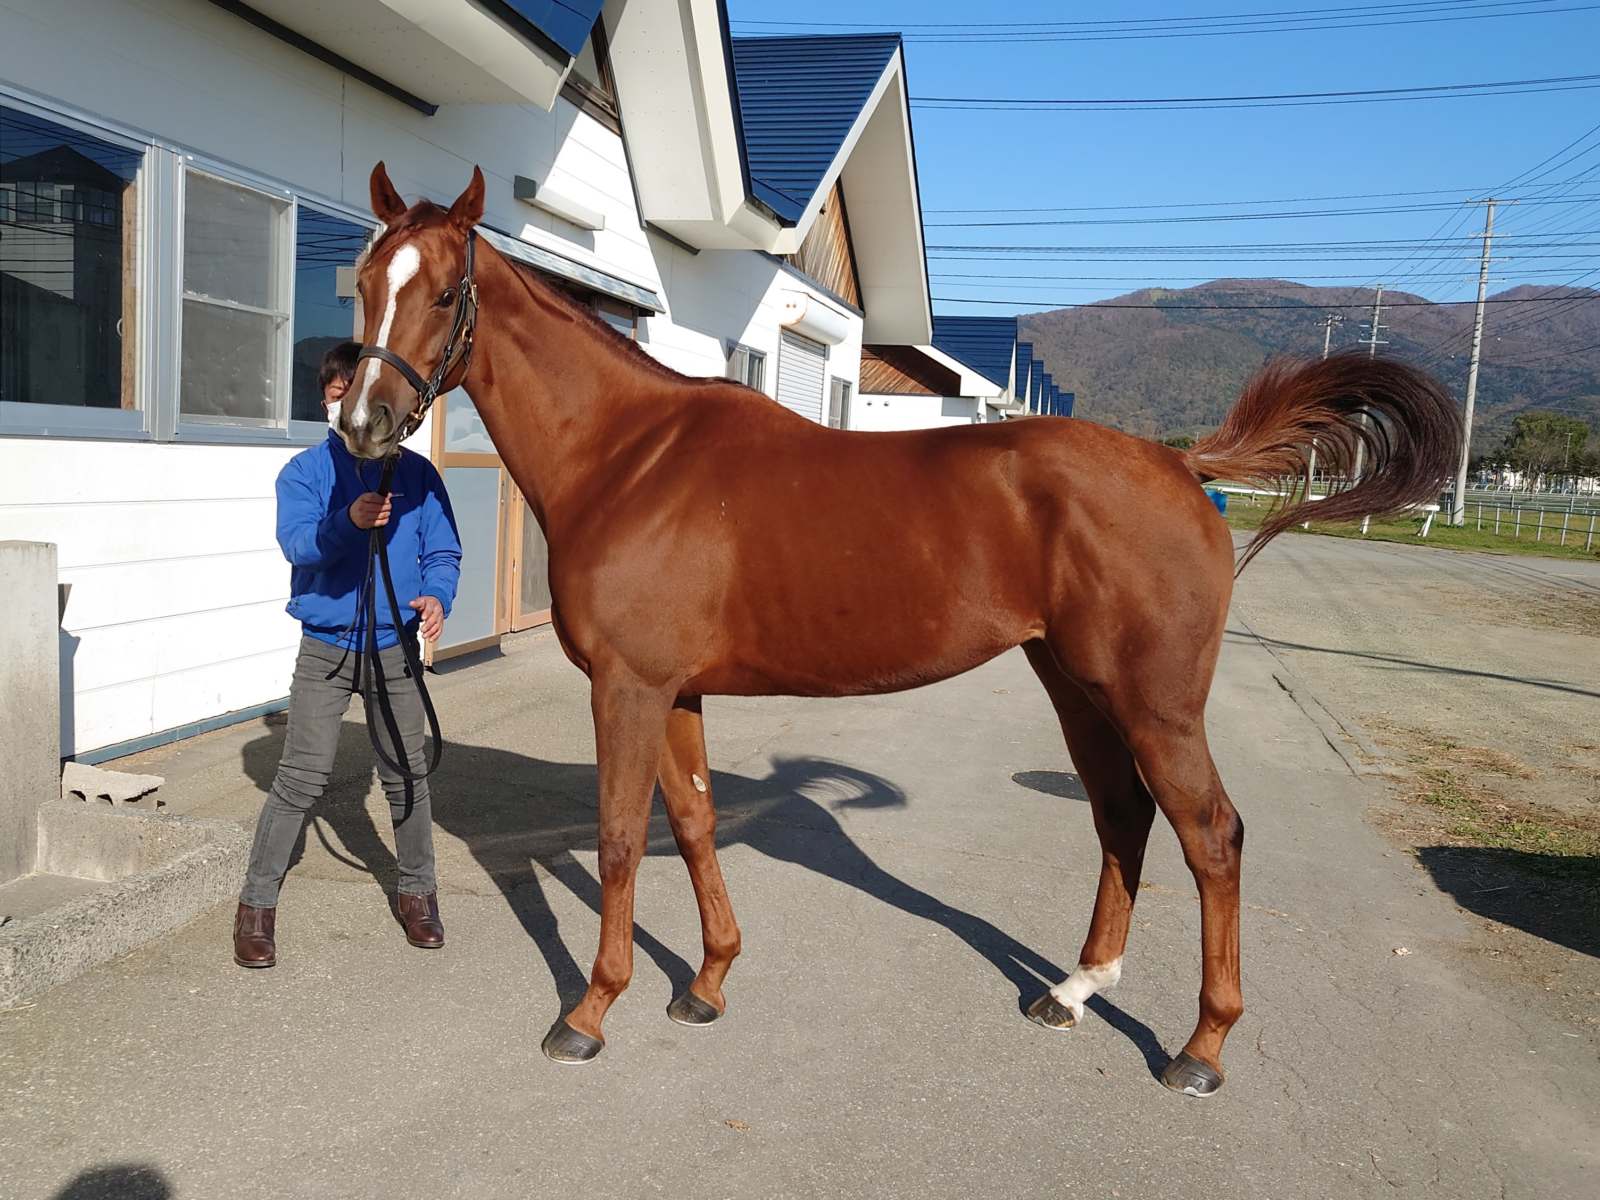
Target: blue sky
<point x="987" y="159"/>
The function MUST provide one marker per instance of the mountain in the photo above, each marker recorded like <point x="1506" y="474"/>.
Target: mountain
<point x="1174" y="369"/>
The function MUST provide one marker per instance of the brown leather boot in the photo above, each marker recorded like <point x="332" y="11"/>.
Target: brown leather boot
<point x="420" y="916"/>
<point x="253" y="929"/>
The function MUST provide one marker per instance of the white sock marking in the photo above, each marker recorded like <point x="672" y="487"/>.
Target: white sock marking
<point x="402" y="267"/>
<point x="1084" y="982"/>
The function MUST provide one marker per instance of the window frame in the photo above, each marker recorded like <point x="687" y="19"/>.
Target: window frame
<point x="304" y="431"/>
<point x="749" y="355"/>
<point x="158" y="283"/>
<point x="202" y="427"/>
<point x="19" y="419"/>
<point x="846" y="391"/>
<point x="599" y="103"/>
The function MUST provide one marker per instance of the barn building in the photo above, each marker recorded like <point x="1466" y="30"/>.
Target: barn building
<point x="183" y="191"/>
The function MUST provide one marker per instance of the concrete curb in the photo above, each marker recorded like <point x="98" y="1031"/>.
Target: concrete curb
<point x="1368" y="760"/>
<point x="39" y="952"/>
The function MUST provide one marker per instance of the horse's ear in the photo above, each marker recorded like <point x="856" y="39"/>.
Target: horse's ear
<point x="467" y="211"/>
<point x="386" y="202"/>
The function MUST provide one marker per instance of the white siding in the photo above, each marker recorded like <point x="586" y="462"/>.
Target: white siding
<point x="912" y="412"/>
<point x="176" y="611"/>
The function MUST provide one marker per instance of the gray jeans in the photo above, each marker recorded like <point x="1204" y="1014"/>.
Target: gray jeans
<point x="317" y="706"/>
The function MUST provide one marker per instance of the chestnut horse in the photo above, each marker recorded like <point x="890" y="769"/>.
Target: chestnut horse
<point x="704" y="540"/>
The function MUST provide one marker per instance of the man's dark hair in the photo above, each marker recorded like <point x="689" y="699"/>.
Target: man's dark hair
<point x="339" y="363"/>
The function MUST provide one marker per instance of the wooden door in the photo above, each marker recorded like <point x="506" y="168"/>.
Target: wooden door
<point x="527" y="582"/>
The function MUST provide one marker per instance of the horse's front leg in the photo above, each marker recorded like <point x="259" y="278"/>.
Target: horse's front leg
<point x="630" y="720"/>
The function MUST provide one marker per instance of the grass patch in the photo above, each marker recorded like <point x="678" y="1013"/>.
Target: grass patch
<point x="1244" y="516"/>
<point x="1471" y="816"/>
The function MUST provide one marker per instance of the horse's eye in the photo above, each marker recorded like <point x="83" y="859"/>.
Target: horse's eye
<point x="446" y="298"/>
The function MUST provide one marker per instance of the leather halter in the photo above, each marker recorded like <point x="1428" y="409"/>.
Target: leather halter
<point x="457" y="349"/>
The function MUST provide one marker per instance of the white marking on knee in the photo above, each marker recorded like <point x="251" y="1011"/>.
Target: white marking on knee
<point x="699" y="784"/>
<point x="402" y="268"/>
<point x="1084" y="982"/>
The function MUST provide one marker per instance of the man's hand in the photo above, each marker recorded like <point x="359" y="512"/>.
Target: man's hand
<point x="369" y="510"/>
<point x="432" y="616"/>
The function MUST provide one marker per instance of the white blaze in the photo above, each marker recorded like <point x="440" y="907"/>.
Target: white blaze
<point x="402" y="267"/>
<point x="1084" y="982"/>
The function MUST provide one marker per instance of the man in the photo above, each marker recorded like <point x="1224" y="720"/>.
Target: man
<point x="326" y="508"/>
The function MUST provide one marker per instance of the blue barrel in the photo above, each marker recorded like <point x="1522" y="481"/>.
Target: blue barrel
<point x="1220" y="499"/>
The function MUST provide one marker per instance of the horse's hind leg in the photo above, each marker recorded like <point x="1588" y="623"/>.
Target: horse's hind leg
<point x="1123" y="811"/>
<point x="1176" y="763"/>
<point x="686" y="786"/>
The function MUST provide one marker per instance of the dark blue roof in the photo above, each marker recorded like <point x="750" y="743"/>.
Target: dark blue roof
<point x="1067" y="401"/>
<point x="1024" y="361"/>
<point x="798" y="98"/>
<point x="984" y="343"/>
<point x="1047" y="386"/>
<point x="565" y="22"/>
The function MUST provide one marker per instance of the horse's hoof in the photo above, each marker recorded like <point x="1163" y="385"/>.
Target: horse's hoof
<point x="1051" y="1013"/>
<point x="1187" y="1074"/>
<point x="689" y="1009"/>
<point x="565" y="1045"/>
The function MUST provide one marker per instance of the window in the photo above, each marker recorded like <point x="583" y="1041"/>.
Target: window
<point x="69" y="268"/>
<point x="748" y="367"/>
<point x="235" y="303"/>
<point x="839" y="403"/>
<point x="589" y="84"/>
<point x="619" y="316"/>
<point x="218" y="297"/>
<point x="324" y="312"/>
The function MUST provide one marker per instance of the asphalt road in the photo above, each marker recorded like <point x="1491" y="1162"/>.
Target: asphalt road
<point x="905" y="870"/>
<point x="1485" y="649"/>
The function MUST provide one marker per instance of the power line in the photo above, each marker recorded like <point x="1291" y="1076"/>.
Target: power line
<point x="1431" y="15"/>
<point x="1366" y="243"/>
<point x="1287" y="214"/>
<point x="1526" y="362"/>
<point x="1464" y="273"/>
<point x="1306" y="307"/>
<point x="1228" y="203"/>
<point x="1290" y="13"/>
<point x="1553" y="83"/>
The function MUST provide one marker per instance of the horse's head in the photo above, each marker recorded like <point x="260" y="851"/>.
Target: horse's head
<point x="411" y="286"/>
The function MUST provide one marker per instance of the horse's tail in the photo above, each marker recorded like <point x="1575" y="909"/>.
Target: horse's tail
<point x="1412" y="436"/>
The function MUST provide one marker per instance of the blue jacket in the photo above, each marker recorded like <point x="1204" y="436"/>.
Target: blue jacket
<point x="329" y="554"/>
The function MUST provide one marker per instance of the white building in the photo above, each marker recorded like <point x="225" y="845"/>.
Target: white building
<point x="182" y="180"/>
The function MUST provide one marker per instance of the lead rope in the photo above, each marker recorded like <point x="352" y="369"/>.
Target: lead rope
<point x="374" y="684"/>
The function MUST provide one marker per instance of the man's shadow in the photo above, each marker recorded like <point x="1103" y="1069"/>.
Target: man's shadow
<point x="513" y="811"/>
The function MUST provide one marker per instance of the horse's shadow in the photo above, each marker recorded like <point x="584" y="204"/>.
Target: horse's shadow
<point x="513" y="811"/>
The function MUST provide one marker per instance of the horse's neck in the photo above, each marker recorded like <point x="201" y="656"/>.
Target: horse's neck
<point x="554" y="392"/>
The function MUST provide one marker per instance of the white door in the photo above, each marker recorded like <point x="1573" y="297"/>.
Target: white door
<point x="802" y="369"/>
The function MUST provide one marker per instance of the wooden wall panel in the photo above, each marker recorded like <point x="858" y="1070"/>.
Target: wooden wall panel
<point x="827" y="254"/>
<point x="903" y="371"/>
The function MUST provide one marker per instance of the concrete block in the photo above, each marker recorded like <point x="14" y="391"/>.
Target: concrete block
<point x="30" y="698"/>
<point x="96" y="842"/>
<point x="166" y="871"/>
<point x="112" y="787"/>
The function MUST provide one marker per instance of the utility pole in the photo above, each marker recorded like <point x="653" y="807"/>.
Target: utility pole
<point x="1372" y="352"/>
<point x="1328" y="323"/>
<point x="1458" y="505"/>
